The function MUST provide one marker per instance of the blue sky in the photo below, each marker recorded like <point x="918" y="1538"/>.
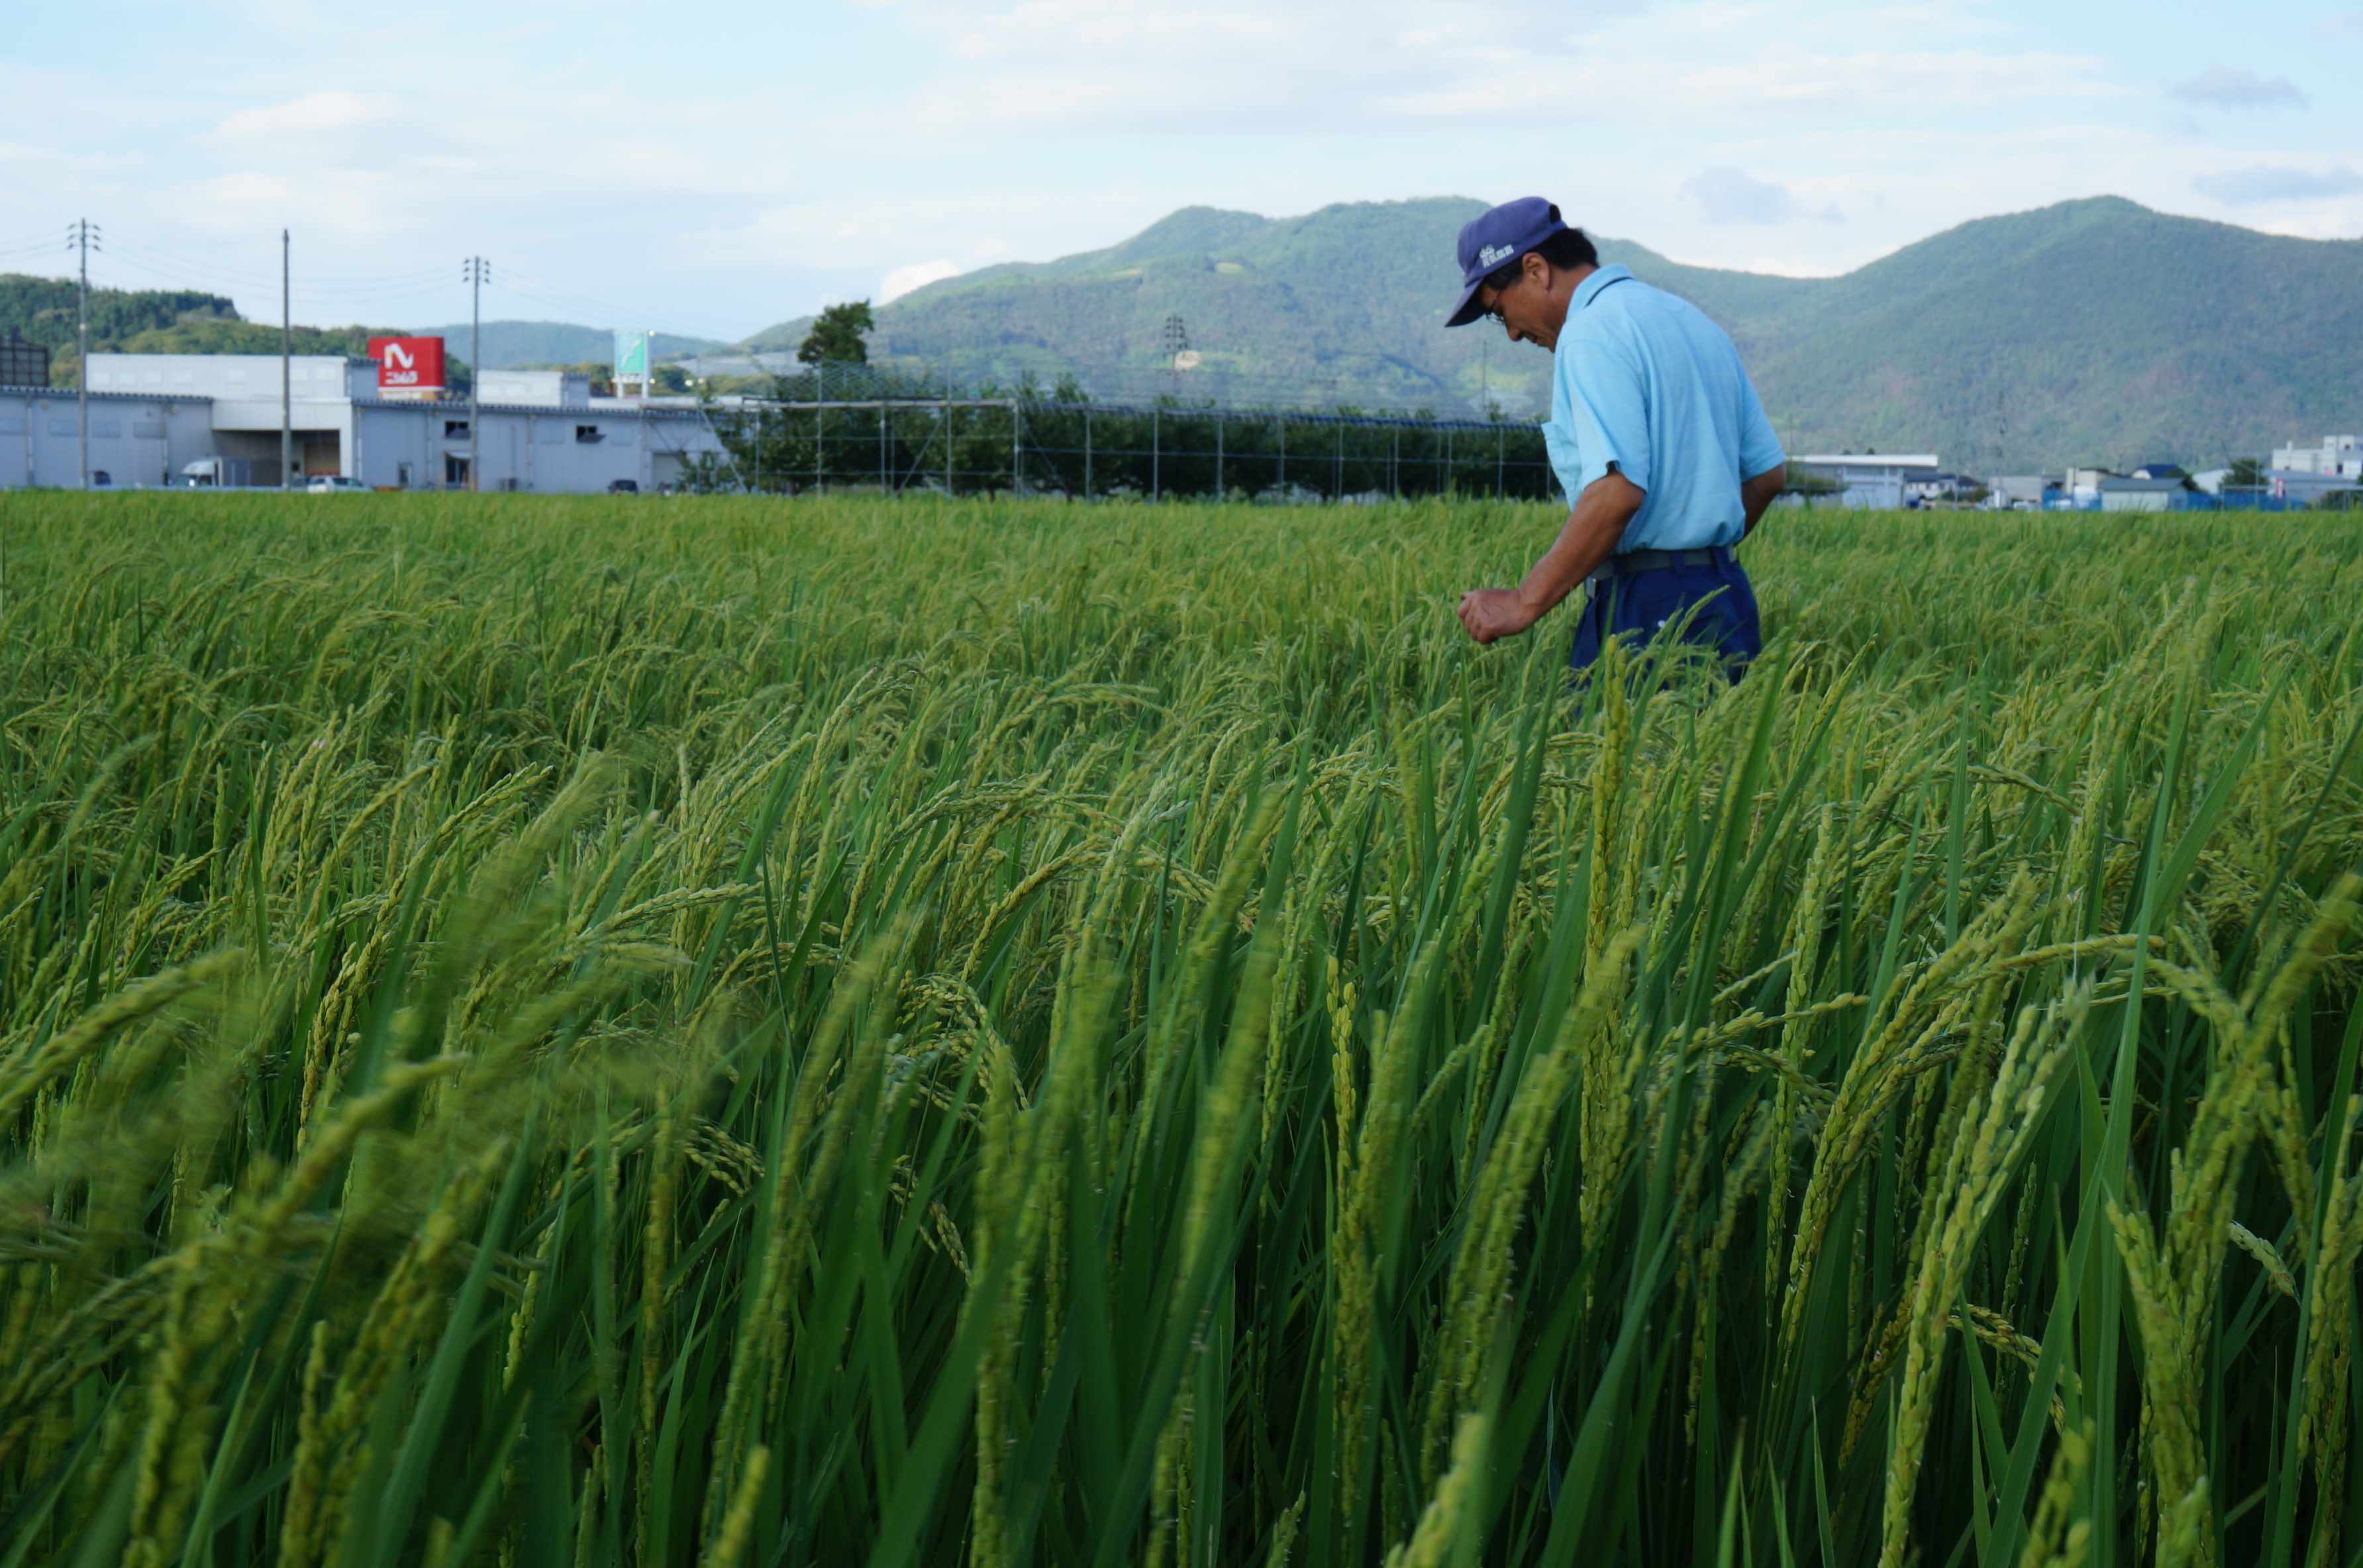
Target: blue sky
<point x="716" y="167"/>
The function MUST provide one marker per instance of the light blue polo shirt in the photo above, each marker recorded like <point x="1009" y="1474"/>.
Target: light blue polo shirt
<point x="1642" y="380"/>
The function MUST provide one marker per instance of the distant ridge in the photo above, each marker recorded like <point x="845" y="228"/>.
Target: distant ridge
<point x="188" y="321"/>
<point x="2088" y="331"/>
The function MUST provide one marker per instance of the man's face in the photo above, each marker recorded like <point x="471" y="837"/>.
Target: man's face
<point x="1528" y="308"/>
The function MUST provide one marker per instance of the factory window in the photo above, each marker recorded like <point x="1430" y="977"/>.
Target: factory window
<point x="587" y="434"/>
<point x="62" y="427"/>
<point x="148" y="432"/>
<point x="454" y="428"/>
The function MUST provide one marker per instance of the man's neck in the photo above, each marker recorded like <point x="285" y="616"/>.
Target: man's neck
<point x="1564" y="288"/>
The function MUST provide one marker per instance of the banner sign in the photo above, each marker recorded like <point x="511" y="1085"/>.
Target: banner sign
<point x="408" y="364"/>
<point x="631" y="356"/>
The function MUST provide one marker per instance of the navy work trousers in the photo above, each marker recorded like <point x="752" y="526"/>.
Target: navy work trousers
<point x="1637" y="606"/>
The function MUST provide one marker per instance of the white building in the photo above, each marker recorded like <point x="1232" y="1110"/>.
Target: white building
<point x="539" y="431"/>
<point x="2081" y="487"/>
<point x="2338" y="456"/>
<point x="2015" y="491"/>
<point x="1870" y="478"/>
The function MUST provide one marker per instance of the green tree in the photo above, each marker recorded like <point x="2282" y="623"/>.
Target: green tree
<point x="836" y="335"/>
<point x="2244" y="473"/>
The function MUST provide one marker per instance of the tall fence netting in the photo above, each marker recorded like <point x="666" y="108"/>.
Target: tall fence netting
<point x="886" y="431"/>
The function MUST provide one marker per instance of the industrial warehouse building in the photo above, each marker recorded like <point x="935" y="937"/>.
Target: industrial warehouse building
<point x="1868" y="478"/>
<point x="152" y="416"/>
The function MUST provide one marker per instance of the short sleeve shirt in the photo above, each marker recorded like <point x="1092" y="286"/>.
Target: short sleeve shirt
<point x="1644" y="382"/>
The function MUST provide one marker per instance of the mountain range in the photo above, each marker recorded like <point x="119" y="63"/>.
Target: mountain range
<point x="2094" y="331"/>
<point x="2089" y="331"/>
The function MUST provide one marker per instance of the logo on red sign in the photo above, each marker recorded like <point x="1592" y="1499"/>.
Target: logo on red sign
<point x="408" y="364"/>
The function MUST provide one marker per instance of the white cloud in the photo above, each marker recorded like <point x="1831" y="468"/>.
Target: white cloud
<point x="2278" y="182"/>
<point x="918" y="275"/>
<point x="332" y="110"/>
<point x="353" y="206"/>
<point x="867" y="230"/>
<point x="1726" y="194"/>
<point x="2236" y="87"/>
<point x="1228" y="70"/>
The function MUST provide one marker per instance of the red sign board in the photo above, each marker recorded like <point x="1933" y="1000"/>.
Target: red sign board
<point x="408" y="364"/>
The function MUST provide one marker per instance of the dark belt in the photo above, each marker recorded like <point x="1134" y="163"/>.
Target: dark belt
<point x="1634" y="562"/>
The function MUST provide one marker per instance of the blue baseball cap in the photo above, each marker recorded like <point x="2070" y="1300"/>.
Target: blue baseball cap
<point x="1496" y="235"/>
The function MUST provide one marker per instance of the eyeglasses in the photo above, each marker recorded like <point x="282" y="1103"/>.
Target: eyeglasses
<point x="1494" y="310"/>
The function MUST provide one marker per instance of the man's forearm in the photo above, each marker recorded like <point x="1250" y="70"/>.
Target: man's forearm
<point x="1758" y="493"/>
<point x="1588" y="535"/>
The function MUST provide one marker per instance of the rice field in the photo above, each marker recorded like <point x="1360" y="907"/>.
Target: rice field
<point x="541" y="1031"/>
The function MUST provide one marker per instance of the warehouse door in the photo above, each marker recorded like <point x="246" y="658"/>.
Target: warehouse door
<point x="455" y="471"/>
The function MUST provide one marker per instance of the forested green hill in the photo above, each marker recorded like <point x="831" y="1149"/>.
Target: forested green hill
<point x="2094" y="330"/>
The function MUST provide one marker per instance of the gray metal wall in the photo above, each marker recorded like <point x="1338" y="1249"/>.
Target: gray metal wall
<point x="538" y="449"/>
<point x="133" y="440"/>
<point x="145" y="441"/>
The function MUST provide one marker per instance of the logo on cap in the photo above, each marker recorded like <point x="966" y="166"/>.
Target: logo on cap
<point x="1494" y="255"/>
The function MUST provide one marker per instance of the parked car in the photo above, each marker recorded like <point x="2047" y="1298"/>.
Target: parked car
<point x="623" y="487"/>
<point x="332" y="484"/>
<point x="231" y="473"/>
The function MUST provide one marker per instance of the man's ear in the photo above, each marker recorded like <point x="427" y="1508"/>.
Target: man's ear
<point x="1538" y="272"/>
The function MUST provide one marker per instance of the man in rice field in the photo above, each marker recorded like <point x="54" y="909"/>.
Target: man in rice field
<point x="1655" y="433"/>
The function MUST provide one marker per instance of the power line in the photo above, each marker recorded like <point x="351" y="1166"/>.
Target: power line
<point x="157" y="256"/>
<point x="326" y="295"/>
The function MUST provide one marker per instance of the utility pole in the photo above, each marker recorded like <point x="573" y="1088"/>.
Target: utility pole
<point x="286" y="375"/>
<point x="477" y="271"/>
<point x="1177" y="340"/>
<point x="81" y="235"/>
